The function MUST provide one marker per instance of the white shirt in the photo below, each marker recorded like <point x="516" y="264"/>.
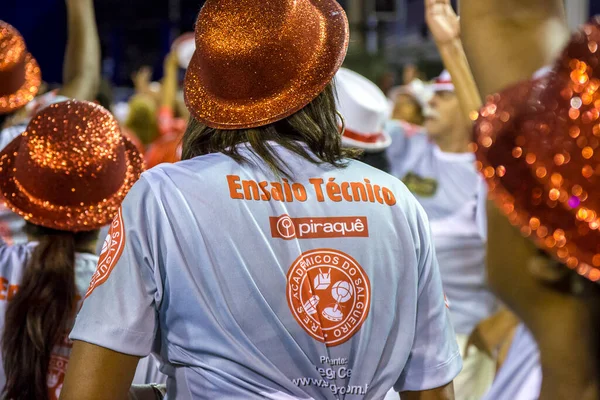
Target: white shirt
<point x="453" y="196"/>
<point x="249" y="287"/>
<point x="520" y="377"/>
<point x="13" y="261"/>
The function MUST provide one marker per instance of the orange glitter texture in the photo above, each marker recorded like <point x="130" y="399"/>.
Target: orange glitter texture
<point x="258" y="62"/>
<point x="552" y="194"/>
<point x="71" y="169"/>
<point x="20" y="76"/>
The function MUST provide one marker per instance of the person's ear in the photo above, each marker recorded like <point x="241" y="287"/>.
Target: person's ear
<point x="546" y="269"/>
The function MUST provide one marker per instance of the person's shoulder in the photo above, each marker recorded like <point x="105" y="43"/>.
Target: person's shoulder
<point x="381" y="178"/>
<point x="15" y="256"/>
<point x="361" y="168"/>
<point x="204" y="167"/>
<point x="407" y="130"/>
<point x="406" y="138"/>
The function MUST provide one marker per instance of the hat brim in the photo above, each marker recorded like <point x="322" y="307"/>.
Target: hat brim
<point x="516" y="187"/>
<point x="217" y="112"/>
<point x="184" y="46"/>
<point x="27" y="91"/>
<point x="380" y="145"/>
<point x="86" y="217"/>
<point x="442" y="87"/>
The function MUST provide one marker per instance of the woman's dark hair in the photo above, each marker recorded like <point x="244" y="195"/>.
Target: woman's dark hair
<point x="41" y="312"/>
<point x="316" y="126"/>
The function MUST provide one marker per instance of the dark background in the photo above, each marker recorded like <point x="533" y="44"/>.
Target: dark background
<point x="138" y="32"/>
<point x="132" y="32"/>
<point x="595" y="7"/>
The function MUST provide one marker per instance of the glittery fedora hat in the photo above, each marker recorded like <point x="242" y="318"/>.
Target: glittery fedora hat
<point x="20" y="76"/>
<point x="257" y="62"/>
<point x="71" y="169"/>
<point x="538" y="145"/>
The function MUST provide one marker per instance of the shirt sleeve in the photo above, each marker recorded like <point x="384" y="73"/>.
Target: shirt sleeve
<point x="435" y="359"/>
<point x="120" y="311"/>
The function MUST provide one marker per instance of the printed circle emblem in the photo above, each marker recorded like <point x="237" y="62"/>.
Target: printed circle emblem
<point x="112" y="248"/>
<point x="329" y="295"/>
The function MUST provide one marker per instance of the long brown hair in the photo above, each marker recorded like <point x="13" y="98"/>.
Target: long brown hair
<point x="316" y="125"/>
<point x="41" y="311"/>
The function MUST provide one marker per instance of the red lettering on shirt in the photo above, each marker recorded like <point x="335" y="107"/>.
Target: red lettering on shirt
<point x="321" y="190"/>
<point x="288" y="228"/>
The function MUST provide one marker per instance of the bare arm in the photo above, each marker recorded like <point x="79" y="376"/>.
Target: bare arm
<point x="443" y="393"/>
<point x="445" y="28"/>
<point x="81" y="71"/>
<point x="169" y="82"/>
<point x="96" y="373"/>
<point x="507" y="41"/>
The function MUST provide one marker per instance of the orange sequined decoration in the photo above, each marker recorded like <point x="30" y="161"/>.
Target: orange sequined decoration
<point x="71" y="169"/>
<point x="20" y="76"/>
<point x="257" y="62"/>
<point x="538" y="145"/>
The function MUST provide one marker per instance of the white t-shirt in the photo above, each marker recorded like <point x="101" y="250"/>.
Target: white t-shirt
<point x="520" y="377"/>
<point x="248" y="287"/>
<point x="13" y="261"/>
<point x="453" y="195"/>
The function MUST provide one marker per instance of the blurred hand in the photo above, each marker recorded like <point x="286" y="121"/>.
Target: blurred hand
<point x="141" y="80"/>
<point x="171" y="61"/>
<point x="443" y="22"/>
<point x="494" y="335"/>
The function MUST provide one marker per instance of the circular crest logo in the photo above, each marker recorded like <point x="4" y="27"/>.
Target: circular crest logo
<point x="329" y="295"/>
<point x="112" y="248"/>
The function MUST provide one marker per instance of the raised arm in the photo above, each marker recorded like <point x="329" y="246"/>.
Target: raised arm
<point x="81" y="71"/>
<point x="169" y="82"/>
<point x="507" y="41"/>
<point x="445" y="29"/>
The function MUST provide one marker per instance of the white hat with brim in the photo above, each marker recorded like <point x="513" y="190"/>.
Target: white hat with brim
<point x="185" y="46"/>
<point x="443" y="83"/>
<point x="365" y="110"/>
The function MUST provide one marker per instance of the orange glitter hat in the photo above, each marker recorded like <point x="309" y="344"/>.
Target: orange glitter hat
<point x="538" y="145"/>
<point x="20" y="76"/>
<point x="257" y="62"/>
<point x="71" y="169"/>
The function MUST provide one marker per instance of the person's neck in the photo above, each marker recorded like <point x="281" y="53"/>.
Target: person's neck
<point x="456" y="141"/>
<point x="568" y="355"/>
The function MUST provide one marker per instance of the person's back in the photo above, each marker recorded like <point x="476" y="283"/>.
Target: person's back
<point x="65" y="202"/>
<point x="273" y="288"/>
<point x="267" y="264"/>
